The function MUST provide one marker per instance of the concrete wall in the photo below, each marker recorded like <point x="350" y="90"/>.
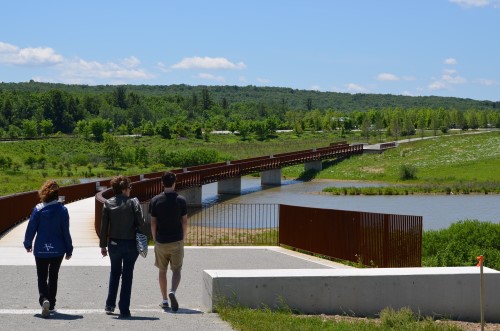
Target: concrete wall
<point x="444" y="292"/>
<point x="229" y="186"/>
<point x="313" y="165"/>
<point x="271" y="177"/>
<point x="192" y="195"/>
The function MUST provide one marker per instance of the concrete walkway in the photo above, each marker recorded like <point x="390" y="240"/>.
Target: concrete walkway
<point x="83" y="282"/>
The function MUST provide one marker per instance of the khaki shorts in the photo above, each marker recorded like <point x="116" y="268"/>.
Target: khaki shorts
<point x="170" y="253"/>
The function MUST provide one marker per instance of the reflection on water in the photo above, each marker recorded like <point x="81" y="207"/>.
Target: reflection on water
<point x="438" y="211"/>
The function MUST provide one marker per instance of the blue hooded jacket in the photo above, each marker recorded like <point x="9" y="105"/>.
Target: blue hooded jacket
<point x="50" y="223"/>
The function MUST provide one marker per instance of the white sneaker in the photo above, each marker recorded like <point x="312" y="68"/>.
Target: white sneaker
<point x="45" y="308"/>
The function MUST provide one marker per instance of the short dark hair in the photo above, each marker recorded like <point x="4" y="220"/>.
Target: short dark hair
<point x="49" y="191"/>
<point x="168" y="179"/>
<point x="119" y="183"/>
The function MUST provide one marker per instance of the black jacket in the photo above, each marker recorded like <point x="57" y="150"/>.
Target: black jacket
<point x="121" y="215"/>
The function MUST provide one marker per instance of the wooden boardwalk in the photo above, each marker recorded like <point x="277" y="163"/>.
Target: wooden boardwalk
<point x="81" y="226"/>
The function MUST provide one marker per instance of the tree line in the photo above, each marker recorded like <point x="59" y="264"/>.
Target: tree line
<point x="31" y="110"/>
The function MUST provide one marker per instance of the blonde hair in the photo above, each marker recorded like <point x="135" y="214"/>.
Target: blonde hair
<point x="49" y="191"/>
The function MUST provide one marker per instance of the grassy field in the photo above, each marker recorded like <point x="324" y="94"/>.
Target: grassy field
<point x="447" y="160"/>
<point x="69" y="159"/>
<point x="454" y="159"/>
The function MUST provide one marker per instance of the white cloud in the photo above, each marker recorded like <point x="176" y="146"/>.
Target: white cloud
<point x="476" y="3"/>
<point x="407" y="93"/>
<point x="453" y="79"/>
<point x="450" y="61"/>
<point x="211" y="77"/>
<point x="29" y="56"/>
<point x="387" y="77"/>
<point x="488" y="82"/>
<point x="437" y="85"/>
<point x="351" y="87"/>
<point x="79" y="69"/>
<point x="316" y="88"/>
<point x="163" y="68"/>
<point x="448" y="78"/>
<point x="263" y="80"/>
<point x="242" y="79"/>
<point x="207" y="63"/>
<point x="131" y="62"/>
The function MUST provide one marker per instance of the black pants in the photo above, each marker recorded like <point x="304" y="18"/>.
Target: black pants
<point x="48" y="268"/>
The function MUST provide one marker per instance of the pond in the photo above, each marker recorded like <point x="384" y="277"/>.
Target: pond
<point x="438" y="211"/>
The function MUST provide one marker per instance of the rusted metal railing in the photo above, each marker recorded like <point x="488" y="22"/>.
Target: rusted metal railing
<point x="18" y="207"/>
<point x="233" y="224"/>
<point x="372" y="239"/>
<point x="196" y="176"/>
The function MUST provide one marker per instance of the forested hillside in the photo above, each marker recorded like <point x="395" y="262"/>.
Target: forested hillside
<point x="33" y="109"/>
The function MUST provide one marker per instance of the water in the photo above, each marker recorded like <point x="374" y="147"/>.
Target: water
<point x="438" y="211"/>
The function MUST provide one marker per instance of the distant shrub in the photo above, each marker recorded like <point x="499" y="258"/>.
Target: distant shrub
<point x="407" y="172"/>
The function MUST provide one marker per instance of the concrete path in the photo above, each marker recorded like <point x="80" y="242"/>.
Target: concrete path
<point x="83" y="282"/>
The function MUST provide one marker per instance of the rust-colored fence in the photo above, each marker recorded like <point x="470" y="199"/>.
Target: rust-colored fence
<point x="18" y="207"/>
<point x="388" y="145"/>
<point x="147" y="186"/>
<point x="234" y="224"/>
<point x="382" y="240"/>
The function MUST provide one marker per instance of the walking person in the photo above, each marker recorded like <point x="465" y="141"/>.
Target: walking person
<point x="49" y="221"/>
<point x="169" y="224"/>
<point x="121" y="215"/>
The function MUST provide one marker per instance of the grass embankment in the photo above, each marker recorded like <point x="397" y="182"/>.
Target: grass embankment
<point x="460" y="164"/>
<point x="245" y="319"/>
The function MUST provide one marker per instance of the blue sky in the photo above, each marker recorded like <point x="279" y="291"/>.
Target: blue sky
<point x="402" y="47"/>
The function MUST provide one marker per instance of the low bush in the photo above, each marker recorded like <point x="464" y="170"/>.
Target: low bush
<point x="407" y="172"/>
<point x="461" y="243"/>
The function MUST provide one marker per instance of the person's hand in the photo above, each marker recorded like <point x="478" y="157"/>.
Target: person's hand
<point x="68" y="256"/>
<point x="29" y="250"/>
<point x="104" y="251"/>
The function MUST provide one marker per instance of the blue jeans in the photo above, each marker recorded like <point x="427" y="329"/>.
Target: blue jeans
<point x="123" y="254"/>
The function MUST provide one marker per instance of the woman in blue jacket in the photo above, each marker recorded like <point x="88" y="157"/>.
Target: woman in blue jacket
<point x="49" y="221"/>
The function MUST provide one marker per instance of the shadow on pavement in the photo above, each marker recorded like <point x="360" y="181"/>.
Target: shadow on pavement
<point x="61" y="316"/>
<point x="183" y="311"/>
<point x="138" y="318"/>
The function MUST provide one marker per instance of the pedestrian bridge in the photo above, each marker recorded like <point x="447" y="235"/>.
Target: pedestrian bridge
<point x="189" y="181"/>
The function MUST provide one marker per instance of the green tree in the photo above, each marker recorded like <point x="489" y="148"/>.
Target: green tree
<point x="148" y="128"/>
<point x="30" y="128"/>
<point x="120" y="97"/>
<point x="163" y="129"/>
<point x="261" y="130"/>
<point x="98" y="127"/>
<point x="366" y="127"/>
<point x="30" y="161"/>
<point x="46" y="127"/>
<point x="112" y="149"/>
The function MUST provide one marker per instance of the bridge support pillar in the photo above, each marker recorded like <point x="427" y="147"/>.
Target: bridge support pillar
<point x="192" y="195"/>
<point x="229" y="186"/>
<point x="271" y="177"/>
<point x="313" y="165"/>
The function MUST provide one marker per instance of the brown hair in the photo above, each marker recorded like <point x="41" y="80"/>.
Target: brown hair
<point x="49" y="191"/>
<point x="119" y="183"/>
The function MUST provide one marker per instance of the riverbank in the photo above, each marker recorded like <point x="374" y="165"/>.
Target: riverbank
<point x="425" y="189"/>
